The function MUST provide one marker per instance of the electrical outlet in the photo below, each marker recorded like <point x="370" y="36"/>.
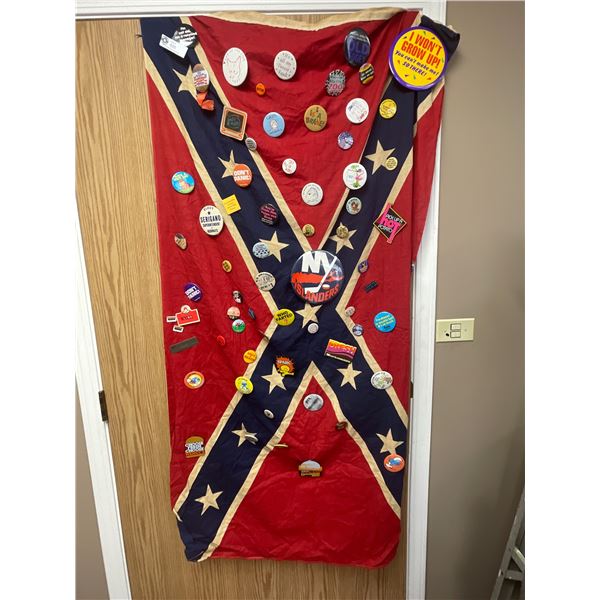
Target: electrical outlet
<point x="455" y="330"/>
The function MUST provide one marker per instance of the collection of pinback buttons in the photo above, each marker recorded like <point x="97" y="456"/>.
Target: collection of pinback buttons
<point x="285" y="65"/>
<point x="357" y="110"/>
<point x="268" y="214"/>
<point x="289" y="166"/>
<point x="353" y="205"/>
<point x="193" y="291"/>
<point x="357" y="47"/>
<point x="308" y="230"/>
<point x="261" y="250"/>
<point x="335" y="83"/>
<point x="182" y="182"/>
<point x="355" y="176"/>
<point x="211" y="220"/>
<point x="391" y="163"/>
<point x="345" y="140"/>
<point x="180" y="240"/>
<point x="235" y="67"/>
<point x="384" y="321"/>
<point x="242" y="175"/>
<point x="315" y="117"/>
<point x="387" y="108"/>
<point x="313" y="402"/>
<point x="194" y="380"/>
<point x="312" y="194"/>
<point x="273" y="124"/>
<point x="366" y="73"/>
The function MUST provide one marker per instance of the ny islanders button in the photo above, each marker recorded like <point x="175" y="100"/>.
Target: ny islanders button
<point x="285" y="65"/>
<point x="357" y="47"/>
<point x="182" y="182"/>
<point x="312" y="194"/>
<point x="357" y="110"/>
<point x="273" y="124"/>
<point x="317" y="276"/>
<point x="355" y="176"/>
<point x="235" y="66"/>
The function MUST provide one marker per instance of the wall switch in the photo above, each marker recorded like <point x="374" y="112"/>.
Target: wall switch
<point x="454" y="330"/>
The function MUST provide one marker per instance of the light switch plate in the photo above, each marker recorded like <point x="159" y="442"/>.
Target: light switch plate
<point x="455" y="330"/>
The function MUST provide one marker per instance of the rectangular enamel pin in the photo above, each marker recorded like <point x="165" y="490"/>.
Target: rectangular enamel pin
<point x="339" y="350"/>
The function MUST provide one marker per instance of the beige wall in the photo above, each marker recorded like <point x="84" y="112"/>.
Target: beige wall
<point x="478" y="418"/>
<point x="477" y="469"/>
<point x="91" y="581"/>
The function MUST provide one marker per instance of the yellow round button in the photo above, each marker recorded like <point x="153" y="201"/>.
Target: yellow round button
<point x="226" y="266"/>
<point x="249" y="356"/>
<point x="244" y="385"/>
<point x="391" y="163"/>
<point x="308" y="230"/>
<point x="315" y="117"/>
<point x="284" y="317"/>
<point x="342" y="232"/>
<point x="387" y="108"/>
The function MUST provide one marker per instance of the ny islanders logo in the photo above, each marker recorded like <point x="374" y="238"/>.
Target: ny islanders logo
<point x="317" y="276"/>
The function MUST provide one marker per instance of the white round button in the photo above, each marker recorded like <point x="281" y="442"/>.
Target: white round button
<point x="312" y="194"/>
<point x="285" y="65"/>
<point x="235" y="66"/>
<point x="357" y="110"/>
<point x="355" y="176"/>
<point x="289" y="166"/>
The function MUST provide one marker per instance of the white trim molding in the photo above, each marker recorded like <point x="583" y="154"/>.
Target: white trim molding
<point x="424" y="309"/>
<point x="87" y="376"/>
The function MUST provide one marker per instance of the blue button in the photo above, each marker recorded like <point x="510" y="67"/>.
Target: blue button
<point x="345" y="140"/>
<point x="182" y="182"/>
<point x="384" y="321"/>
<point x="193" y="291"/>
<point x="357" y="47"/>
<point x="273" y="124"/>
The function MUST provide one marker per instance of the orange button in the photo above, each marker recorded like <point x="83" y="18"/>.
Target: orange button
<point x="242" y="175"/>
<point x="261" y="90"/>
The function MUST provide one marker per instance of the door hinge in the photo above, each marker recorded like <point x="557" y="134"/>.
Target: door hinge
<point x="103" y="411"/>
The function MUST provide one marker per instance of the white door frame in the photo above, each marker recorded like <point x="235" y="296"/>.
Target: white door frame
<point x="423" y="338"/>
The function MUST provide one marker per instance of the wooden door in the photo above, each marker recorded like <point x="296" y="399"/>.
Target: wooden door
<point x="115" y="194"/>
